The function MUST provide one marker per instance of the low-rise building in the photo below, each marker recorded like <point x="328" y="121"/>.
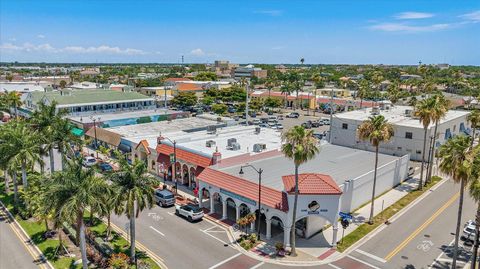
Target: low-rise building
<point x="249" y="71"/>
<point x="408" y="131"/>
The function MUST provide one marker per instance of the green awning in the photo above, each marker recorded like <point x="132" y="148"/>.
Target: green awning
<point x="77" y="131"/>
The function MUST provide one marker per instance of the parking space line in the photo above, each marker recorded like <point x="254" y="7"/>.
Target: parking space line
<point x="334" y="266"/>
<point x="258" y="265"/>
<point x="162" y="234"/>
<point x="364" y="262"/>
<point x="170" y="213"/>
<point x="371" y="256"/>
<point x="225" y="261"/>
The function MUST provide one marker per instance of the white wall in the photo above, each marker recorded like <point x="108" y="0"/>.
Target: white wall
<point x="359" y="190"/>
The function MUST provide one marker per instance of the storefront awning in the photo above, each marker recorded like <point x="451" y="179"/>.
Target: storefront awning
<point x="77" y="131"/>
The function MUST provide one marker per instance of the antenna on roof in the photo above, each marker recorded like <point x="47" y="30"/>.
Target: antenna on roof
<point x="182" y="59"/>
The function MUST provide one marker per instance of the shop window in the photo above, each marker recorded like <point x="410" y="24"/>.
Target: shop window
<point x="344" y="126"/>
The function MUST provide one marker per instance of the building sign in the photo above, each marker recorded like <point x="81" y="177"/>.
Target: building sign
<point x="172" y="158"/>
<point x="314" y="208"/>
<point x="238" y="197"/>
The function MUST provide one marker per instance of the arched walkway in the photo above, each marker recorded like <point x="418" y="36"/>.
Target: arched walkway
<point x="193" y="182"/>
<point x="185" y="175"/>
<point x="231" y="213"/>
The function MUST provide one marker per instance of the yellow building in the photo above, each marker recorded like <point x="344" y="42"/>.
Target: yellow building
<point x="339" y="93"/>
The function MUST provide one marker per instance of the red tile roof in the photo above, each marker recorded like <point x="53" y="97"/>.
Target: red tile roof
<point x="144" y="143"/>
<point x="188" y="87"/>
<point x="270" y="197"/>
<point x="185" y="155"/>
<point x="311" y="183"/>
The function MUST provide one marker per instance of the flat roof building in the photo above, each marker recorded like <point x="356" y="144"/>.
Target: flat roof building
<point x="408" y="131"/>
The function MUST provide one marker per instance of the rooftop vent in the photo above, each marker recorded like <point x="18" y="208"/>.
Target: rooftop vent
<point x="211" y="129"/>
<point x="259" y="147"/>
<point x="234" y="146"/>
<point x="375" y="111"/>
<point x="257" y="130"/>
<point x="210" y="143"/>
<point x="230" y="141"/>
<point x="408" y="112"/>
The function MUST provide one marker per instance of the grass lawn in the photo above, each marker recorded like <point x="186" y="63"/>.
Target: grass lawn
<point x="119" y="244"/>
<point x="35" y="230"/>
<point x="366" y="228"/>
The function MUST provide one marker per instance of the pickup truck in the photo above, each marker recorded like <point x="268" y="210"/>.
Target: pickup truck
<point x="190" y="211"/>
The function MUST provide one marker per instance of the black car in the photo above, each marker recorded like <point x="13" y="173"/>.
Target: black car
<point x="307" y="125"/>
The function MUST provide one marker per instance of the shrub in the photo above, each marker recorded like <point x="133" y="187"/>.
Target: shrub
<point x="279" y="246"/>
<point x="246" y="244"/>
<point x="253" y="238"/>
<point x="118" y="261"/>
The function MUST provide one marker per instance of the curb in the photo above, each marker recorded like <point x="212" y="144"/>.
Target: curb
<point x="19" y="227"/>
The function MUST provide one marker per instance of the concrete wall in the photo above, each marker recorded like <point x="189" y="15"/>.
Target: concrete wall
<point x="358" y="191"/>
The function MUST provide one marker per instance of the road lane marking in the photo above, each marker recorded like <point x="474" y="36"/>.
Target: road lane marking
<point x="364" y="262"/>
<point x="216" y="238"/>
<point x="225" y="261"/>
<point x="334" y="266"/>
<point x="36" y="258"/>
<point x="258" y="265"/>
<point x="371" y="256"/>
<point x="162" y="234"/>
<point x="170" y="213"/>
<point x="423" y="226"/>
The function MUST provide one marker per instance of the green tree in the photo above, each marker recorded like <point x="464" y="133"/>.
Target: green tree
<point x="272" y="102"/>
<point x="71" y="192"/>
<point x="454" y="163"/>
<point x="363" y="91"/>
<point x="474" y="119"/>
<point x="134" y="192"/>
<point x="219" y="108"/>
<point x="424" y="111"/>
<point x="393" y="93"/>
<point x="474" y="190"/>
<point x="301" y="146"/>
<point x="376" y="130"/>
<point x="62" y="84"/>
<point x="13" y="100"/>
<point x="184" y="99"/>
<point x="206" y="76"/>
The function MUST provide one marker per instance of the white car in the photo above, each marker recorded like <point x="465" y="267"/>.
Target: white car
<point x="190" y="211"/>
<point x="469" y="230"/>
<point x="279" y="126"/>
<point x="89" y="161"/>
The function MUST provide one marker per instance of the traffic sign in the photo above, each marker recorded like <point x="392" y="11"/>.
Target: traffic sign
<point x="344" y="215"/>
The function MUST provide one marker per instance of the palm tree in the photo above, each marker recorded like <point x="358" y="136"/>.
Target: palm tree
<point x="286" y="89"/>
<point x="474" y="119"/>
<point x="474" y="190"/>
<point x="71" y="192"/>
<point x="301" y="146"/>
<point x="134" y="192"/>
<point x="440" y="109"/>
<point x="424" y="111"/>
<point x="454" y="162"/>
<point x="393" y="93"/>
<point x="13" y="100"/>
<point x="376" y="130"/>
<point x="21" y="146"/>
<point x="363" y="91"/>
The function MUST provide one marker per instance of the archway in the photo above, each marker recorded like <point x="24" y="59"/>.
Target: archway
<point x="178" y="172"/>
<point x="231" y="209"/>
<point x="185" y="176"/>
<point x="309" y="231"/>
<point x="205" y="194"/>
<point x="193" y="180"/>
<point x="217" y="203"/>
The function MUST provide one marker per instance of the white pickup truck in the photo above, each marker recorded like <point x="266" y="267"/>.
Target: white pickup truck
<point x="190" y="211"/>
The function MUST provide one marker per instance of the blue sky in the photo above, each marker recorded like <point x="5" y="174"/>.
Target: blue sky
<point x="247" y="31"/>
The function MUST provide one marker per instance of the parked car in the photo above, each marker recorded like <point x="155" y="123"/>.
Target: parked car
<point x="279" y="126"/>
<point x="256" y="122"/>
<point x="307" y="125"/>
<point x="105" y="167"/>
<point x="264" y="125"/>
<point x="270" y="112"/>
<point x="279" y="117"/>
<point x="264" y="120"/>
<point x="231" y="109"/>
<point x="318" y="136"/>
<point x="236" y="118"/>
<point x="272" y="125"/>
<point x="164" y="197"/>
<point x="325" y="121"/>
<point x="316" y="123"/>
<point x="190" y="211"/>
<point x="469" y="230"/>
<point x="89" y="161"/>
<point x="293" y="115"/>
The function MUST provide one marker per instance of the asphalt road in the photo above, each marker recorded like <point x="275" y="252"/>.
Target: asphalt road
<point x="179" y="243"/>
<point x="13" y="253"/>
<point x="421" y="235"/>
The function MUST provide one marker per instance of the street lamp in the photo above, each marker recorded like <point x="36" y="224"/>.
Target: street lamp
<point x="95" y="132"/>
<point x="174" y="142"/>
<point x="259" y="171"/>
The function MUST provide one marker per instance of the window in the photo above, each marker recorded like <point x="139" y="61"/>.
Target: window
<point x="454" y="128"/>
<point x="408" y="135"/>
<point x="419" y="152"/>
<point x="344" y="126"/>
<point x="399" y="148"/>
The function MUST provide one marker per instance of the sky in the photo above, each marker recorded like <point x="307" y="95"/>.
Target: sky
<point x="246" y="31"/>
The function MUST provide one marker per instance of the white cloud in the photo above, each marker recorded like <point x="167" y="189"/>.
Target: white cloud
<point x="413" y="15"/>
<point x="12" y="39"/>
<point x="472" y="16"/>
<point x="197" y="52"/>
<point x="41" y="36"/>
<point x="28" y="47"/>
<point x="273" y="12"/>
<point x="401" y="27"/>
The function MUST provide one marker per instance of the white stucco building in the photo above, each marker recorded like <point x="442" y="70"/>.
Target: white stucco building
<point x="408" y="131"/>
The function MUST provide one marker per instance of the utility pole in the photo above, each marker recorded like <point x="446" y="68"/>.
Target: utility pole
<point x="331" y="118"/>
<point x="246" y="102"/>
<point x="315" y="101"/>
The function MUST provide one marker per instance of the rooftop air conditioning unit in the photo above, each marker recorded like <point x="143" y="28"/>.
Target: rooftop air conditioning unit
<point x="210" y="143"/>
<point x="257" y="130"/>
<point x="408" y="112"/>
<point x="259" y="147"/>
<point x="235" y="146"/>
<point x="211" y="129"/>
<point x="375" y="111"/>
<point x="231" y="141"/>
